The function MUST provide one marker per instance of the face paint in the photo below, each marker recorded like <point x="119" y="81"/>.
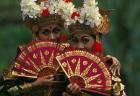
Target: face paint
<point x="82" y="41"/>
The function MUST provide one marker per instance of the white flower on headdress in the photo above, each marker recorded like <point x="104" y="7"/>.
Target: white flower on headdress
<point x="30" y="8"/>
<point x="90" y="12"/>
<point x="66" y="9"/>
<point x="53" y="8"/>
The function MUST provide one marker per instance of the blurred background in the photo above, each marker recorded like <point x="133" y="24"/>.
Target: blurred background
<point x="123" y="40"/>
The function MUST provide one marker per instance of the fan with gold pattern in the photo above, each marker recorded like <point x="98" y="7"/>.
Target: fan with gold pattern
<point x="86" y="70"/>
<point x="37" y="59"/>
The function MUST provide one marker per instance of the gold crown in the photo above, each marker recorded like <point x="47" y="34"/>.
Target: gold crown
<point x="79" y="28"/>
<point x="51" y="19"/>
<point x="103" y="28"/>
<point x="105" y="25"/>
<point x="42" y="21"/>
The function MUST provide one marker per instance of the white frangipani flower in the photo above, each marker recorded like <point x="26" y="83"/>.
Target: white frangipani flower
<point x="90" y="11"/>
<point x="30" y="8"/>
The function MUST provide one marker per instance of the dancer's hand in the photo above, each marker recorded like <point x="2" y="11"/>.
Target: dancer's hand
<point x="115" y="66"/>
<point x="43" y="81"/>
<point x="73" y="89"/>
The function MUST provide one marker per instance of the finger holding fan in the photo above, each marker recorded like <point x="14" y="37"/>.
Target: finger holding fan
<point x="86" y="70"/>
<point x="37" y="59"/>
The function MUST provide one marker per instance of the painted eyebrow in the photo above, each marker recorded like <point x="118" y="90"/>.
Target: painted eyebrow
<point x="84" y="36"/>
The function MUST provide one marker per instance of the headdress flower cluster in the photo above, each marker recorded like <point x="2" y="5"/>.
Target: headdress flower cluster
<point x="88" y="14"/>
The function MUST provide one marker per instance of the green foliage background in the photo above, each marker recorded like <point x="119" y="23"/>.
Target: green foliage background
<point x="122" y="41"/>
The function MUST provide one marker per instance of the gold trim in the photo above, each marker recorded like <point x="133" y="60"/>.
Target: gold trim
<point x="14" y="73"/>
<point x="77" y="69"/>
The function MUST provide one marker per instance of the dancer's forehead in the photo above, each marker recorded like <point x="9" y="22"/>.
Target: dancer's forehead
<point x="83" y="35"/>
<point x="80" y="29"/>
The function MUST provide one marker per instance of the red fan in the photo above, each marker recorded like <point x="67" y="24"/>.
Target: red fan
<point x="87" y="70"/>
<point x="37" y="59"/>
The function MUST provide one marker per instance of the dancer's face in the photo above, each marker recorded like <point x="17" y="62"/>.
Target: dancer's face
<point x="49" y="32"/>
<point x="82" y="41"/>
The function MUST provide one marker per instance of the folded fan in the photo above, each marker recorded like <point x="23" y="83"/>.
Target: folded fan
<point x="87" y="70"/>
<point x="37" y="59"/>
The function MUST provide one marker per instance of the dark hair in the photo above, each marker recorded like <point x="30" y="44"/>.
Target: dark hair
<point x="93" y="36"/>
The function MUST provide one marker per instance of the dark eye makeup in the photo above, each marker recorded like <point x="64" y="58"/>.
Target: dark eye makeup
<point x="74" y="40"/>
<point x="45" y="32"/>
<point x="56" y="30"/>
<point x="85" y="40"/>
